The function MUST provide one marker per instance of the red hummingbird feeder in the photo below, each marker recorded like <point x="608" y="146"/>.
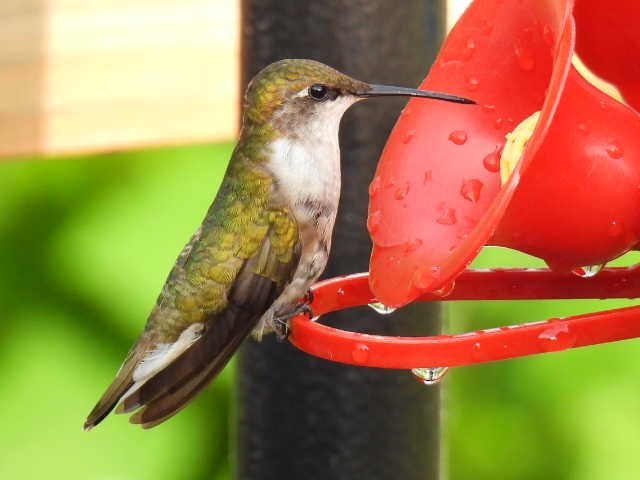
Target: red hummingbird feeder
<point x="571" y="197"/>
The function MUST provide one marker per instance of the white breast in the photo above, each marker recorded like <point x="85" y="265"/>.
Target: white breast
<point x="306" y="165"/>
<point x="306" y="170"/>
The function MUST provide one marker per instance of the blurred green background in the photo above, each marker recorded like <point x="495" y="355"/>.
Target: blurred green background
<point x="86" y="244"/>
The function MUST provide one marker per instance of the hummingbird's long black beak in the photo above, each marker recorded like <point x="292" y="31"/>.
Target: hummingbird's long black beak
<point x="389" y="90"/>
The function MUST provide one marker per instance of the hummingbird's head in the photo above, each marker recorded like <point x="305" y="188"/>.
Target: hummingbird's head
<point x="294" y="93"/>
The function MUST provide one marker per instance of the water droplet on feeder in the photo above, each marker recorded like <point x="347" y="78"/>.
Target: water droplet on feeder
<point x="558" y="336"/>
<point x="524" y="56"/>
<point x="459" y="137"/>
<point x="547" y="34"/>
<point x="428" y="176"/>
<point x="402" y="192"/>
<point x="409" y="136"/>
<point x="469" y="48"/>
<point x="588" y="272"/>
<point x="492" y="161"/>
<point x="381" y="308"/>
<point x="341" y="296"/>
<point x="615" y="228"/>
<point x="473" y="83"/>
<point x="486" y="27"/>
<point x="614" y="150"/>
<point x="431" y="375"/>
<point x="360" y="353"/>
<point x="447" y="217"/>
<point x="582" y="127"/>
<point x="488" y="108"/>
<point x="375" y="186"/>
<point x="373" y="222"/>
<point x="424" y="277"/>
<point x="445" y="290"/>
<point x="471" y="189"/>
<point x="412" y="245"/>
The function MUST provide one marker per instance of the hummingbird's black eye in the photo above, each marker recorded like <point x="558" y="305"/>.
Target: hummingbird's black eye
<point x="318" y="91"/>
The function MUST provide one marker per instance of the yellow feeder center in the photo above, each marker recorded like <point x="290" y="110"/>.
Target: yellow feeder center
<point x="516" y="141"/>
<point x="515" y="145"/>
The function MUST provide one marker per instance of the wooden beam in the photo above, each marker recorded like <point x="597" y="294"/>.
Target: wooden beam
<point x="90" y="75"/>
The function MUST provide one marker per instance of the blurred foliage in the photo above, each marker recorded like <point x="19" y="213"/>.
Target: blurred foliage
<point x="86" y="244"/>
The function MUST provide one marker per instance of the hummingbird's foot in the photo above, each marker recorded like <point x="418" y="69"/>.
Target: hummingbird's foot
<point x="281" y="322"/>
<point x="308" y="298"/>
<point x="281" y="328"/>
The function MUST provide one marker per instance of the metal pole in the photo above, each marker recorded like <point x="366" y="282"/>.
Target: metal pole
<point x="300" y="417"/>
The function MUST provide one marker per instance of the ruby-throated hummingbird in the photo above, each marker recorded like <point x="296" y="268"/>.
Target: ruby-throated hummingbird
<point x="264" y="241"/>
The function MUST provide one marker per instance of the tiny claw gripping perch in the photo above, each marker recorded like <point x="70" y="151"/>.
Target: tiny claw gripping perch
<point x="483" y="345"/>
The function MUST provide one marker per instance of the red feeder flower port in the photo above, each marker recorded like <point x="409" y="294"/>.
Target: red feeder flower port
<point x="444" y="188"/>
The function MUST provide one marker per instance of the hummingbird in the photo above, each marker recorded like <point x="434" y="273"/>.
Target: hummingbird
<point x="262" y="244"/>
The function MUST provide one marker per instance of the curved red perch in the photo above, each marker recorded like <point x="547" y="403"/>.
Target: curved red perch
<point x="436" y="198"/>
<point x="484" y="345"/>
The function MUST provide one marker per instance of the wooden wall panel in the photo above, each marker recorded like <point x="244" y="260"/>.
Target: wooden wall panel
<point x="90" y="75"/>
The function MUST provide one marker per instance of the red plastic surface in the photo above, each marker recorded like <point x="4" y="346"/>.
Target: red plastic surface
<point x="608" y="41"/>
<point x="484" y="345"/>
<point x="436" y="198"/>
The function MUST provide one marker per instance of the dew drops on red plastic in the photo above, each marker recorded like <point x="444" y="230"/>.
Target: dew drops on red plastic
<point x="412" y="245"/>
<point x="447" y="216"/>
<point x="488" y="108"/>
<point x="615" y="228"/>
<point x="583" y="129"/>
<point x="375" y="186"/>
<point x="469" y="48"/>
<point x="360" y="353"/>
<point x="424" y="277"/>
<point x="471" y="189"/>
<point x="473" y="83"/>
<point x="556" y="337"/>
<point x="445" y="290"/>
<point x="373" y="222"/>
<point x="409" y="136"/>
<point x="614" y="150"/>
<point x="492" y="161"/>
<point x="401" y="192"/>
<point x="524" y="53"/>
<point x="459" y="137"/>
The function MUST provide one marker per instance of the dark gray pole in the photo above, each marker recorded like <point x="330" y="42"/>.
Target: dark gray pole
<point x="300" y="417"/>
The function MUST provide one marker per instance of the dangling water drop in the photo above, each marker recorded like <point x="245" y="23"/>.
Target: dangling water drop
<point x="431" y="375"/>
<point x="588" y="272"/>
<point x="381" y="308"/>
